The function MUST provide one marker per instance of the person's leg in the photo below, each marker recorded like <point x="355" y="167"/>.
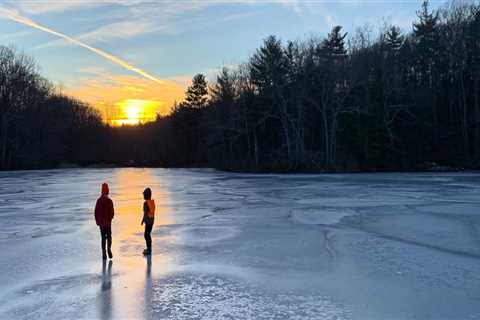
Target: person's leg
<point x="104" y="240"/>
<point x="109" y="241"/>
<point x="148" y="238"/>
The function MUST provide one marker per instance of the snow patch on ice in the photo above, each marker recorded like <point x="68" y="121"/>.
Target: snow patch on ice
<point x="193" y="296"/>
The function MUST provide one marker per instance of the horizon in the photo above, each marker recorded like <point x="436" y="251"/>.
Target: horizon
<point x="139" y="56"/>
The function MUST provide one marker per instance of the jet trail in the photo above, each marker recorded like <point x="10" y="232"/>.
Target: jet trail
<point x="12" y="15"/>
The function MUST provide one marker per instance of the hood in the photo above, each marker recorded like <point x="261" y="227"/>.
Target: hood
<point x="105" y="189"/>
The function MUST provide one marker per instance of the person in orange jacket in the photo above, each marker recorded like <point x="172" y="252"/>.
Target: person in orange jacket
<point x="148" y="219"/>
<point x="103" y="217"/>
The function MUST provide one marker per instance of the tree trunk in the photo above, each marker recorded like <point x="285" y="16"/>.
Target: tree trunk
<point x="333" y="139"/>
<point x="432" y="90"/>
<point x="463" y="102"/>
<point x="286" y="134"/>
<point x="3" y="142"/>
<point x="476" y="88"/>
<point x="326" y="137"/>
<point x="255" y="142"/>
<point x="249" y="148"/>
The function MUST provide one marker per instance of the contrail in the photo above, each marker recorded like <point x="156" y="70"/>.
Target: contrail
<point x="12" y="15"/>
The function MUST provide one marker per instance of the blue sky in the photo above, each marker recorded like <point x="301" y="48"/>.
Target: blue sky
<point x="173" y="40"/>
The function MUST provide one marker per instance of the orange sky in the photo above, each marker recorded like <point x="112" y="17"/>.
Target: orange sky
<point x="127" y="99"/>
<point x="122" y="99"/>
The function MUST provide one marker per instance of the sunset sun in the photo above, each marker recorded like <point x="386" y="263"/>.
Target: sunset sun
<point x="135" y="111"/>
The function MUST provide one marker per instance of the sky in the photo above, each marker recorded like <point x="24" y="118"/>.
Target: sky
<point x="132" y="59"/>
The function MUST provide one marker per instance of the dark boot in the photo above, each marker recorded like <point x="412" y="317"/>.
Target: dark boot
<point x="148" y="251"/>
<point x="104" y="252"/>
<point x="109" y="241"/>
<point x="148" y="239"/>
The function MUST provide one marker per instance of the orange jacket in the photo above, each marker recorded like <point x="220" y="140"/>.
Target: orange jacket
<point x="149" y="209"/>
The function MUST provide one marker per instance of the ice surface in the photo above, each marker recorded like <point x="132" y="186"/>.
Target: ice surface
<point x="326" y="216"/>
<point x="242" y="246"/>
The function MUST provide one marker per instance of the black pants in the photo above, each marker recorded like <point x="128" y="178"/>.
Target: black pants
<point x="106" y="233"/>
<point x="148" y="237"/>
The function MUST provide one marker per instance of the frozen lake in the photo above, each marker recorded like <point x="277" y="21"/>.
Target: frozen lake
<point x="240" y="246"/>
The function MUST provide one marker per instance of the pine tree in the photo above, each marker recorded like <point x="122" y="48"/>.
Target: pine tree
<point x="334" y="45"/>
<point x="426" y="28"/>
<point x="268" y="66"/>
<point x="224" y="90"/>
<point x="473" y="49"/>
<point x="196" y="95"/>
<point x="269" y="72"/>
<point x="333" y="56"/>
<point x="473" y="43"/>
<point x="426" y="35"/>
<point x="394" y="38"/>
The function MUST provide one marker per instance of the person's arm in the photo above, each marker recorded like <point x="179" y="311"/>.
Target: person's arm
<point x="112" y="211"/>
<point x="97" y="212"/>
<point x="145" y="211"/>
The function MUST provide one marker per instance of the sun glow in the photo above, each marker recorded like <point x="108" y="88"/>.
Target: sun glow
<point x="109" y="93"/>
<point x="134" y="111"/>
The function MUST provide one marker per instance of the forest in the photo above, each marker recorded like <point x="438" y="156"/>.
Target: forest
<point x="373" y="100"/>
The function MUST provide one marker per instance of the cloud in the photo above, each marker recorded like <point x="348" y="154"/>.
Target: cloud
<point x="121" y="30"/>
<point x="15" y="35"/>
<point x="39" y="7"/>
<point x="295" y="5"/>
<point x="132" y="19"/>
<point x="14" y="16"/>
<point x="329" y="20"/>
<point x="30" y="7"/>
<point x="118" y="30"/>
<point x="137" y="17"/>
<point x="147" y="18"/>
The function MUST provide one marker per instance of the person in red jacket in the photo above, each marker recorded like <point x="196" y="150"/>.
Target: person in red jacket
<point x="103" y="217"/>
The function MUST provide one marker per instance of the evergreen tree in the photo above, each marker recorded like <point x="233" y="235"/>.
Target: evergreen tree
<point x="473" y="49"/>
<point x="426" y="35"/>
<point x="473" y="43"/>
<point x="268" y="66"/>
<point x="394" y="38"/>
<point x="334" y="45"/>
<point x="196" y="95"/>
<point x="269" y="72"/>
<point x="223" y="89"/>
<point x="333" y="56"/>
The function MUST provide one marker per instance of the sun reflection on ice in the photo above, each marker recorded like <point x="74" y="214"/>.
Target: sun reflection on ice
<point x="132" y="290"/>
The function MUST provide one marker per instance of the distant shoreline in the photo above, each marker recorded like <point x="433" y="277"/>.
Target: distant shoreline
<point x="437" y="169"/>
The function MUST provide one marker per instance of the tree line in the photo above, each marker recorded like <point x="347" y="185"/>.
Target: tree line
<point x="39" y="126"/>
<point x="386" y="100"/>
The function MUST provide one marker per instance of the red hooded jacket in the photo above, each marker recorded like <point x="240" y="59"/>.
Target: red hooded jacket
<point x="104" y="209"/>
